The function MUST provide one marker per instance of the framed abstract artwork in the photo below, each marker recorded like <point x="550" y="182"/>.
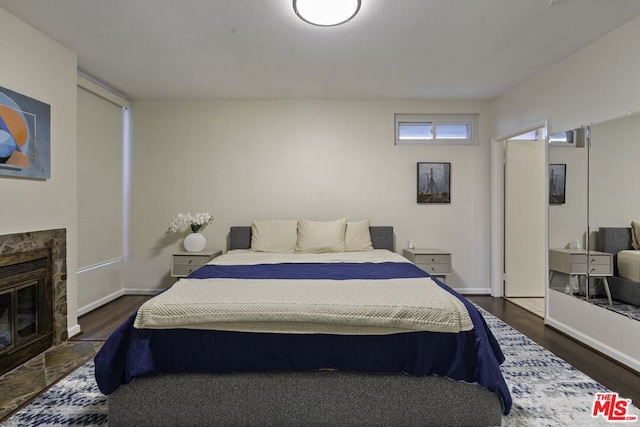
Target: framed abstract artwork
<point x="25" y="136"/>
<point x="557" y="183"/>
<point x="434" y="183"/>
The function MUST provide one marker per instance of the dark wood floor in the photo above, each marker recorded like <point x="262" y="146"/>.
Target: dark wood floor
<point x="98" y="325"/>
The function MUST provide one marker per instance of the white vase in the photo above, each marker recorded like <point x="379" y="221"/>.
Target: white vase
<point x="194" y="242"/>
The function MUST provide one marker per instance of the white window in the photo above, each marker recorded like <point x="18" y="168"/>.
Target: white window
<point x="570" y="138"/>
<point x="435" y="128"/>
<point x="533" y="135"/>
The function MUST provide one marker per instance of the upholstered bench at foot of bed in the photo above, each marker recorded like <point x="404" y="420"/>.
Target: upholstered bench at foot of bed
<point x="301" y="398"/>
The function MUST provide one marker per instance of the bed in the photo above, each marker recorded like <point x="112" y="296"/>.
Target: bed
<point x="347" y="374"/>
<point x="624" y="286"/>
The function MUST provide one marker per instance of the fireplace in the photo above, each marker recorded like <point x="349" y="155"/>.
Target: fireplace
<point x="32" y="295"/>
<point x="26" y="325"/>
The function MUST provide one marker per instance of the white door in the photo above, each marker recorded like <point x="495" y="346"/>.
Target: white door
<point x="524" y="218"/>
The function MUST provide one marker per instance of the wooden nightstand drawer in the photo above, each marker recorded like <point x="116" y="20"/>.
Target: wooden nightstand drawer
<point x="579" y="268"/>
<point x="184" y="263"/>
<point x="435" y="269"/>
<point x="596" y="269"/>
<point x="432" y="259"/>
<point x="578" y="259"/>
<point x="190" y="259"/>
<point x="183" y="270"/>
<point x="600" y="259"/>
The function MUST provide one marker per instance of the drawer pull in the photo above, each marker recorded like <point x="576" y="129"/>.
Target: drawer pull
<point x="433" y="260"/>
<point x="190" y="261"/>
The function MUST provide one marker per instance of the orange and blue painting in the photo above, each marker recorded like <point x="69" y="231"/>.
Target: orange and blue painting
<point x="25" y="136"/>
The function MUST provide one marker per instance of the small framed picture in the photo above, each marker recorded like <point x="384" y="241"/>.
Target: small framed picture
<point x="434" y="183"/>
<point x="557" y="182"/>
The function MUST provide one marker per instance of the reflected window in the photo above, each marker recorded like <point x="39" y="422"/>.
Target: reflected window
<point x="570" y="138"/>
<point x="533" y="135"/>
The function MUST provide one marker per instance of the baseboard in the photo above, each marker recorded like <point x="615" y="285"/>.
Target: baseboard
<point x="136" y="291"/>
<point x="102" y="301"/>
<point x="74" y="330"/>
<point x="473" y="291"/>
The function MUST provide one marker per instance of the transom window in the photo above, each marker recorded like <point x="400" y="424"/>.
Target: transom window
<point x="435" y="128"/>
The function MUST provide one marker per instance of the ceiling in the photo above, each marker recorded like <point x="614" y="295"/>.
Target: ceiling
<point x="260" y="49"/>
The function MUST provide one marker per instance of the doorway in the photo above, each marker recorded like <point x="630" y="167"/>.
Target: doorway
<point x="519" y="218"/>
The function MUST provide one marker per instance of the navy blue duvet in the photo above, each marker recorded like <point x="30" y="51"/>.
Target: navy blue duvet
<point x="473" y="356"/>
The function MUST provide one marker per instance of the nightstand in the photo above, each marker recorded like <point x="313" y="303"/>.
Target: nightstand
<point x="183" y="263"/>
<point x="434" y="261"/>
<point x="580" y="262"/>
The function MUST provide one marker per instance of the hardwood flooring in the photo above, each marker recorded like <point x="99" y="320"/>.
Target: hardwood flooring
<point x="100" y="323"/>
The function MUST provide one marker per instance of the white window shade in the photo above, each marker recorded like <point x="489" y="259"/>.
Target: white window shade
<point x="100" y="186"/>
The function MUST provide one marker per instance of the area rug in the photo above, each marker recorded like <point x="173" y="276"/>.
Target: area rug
<point x="631" y="311"/>
<point x="546" y="391"/>
<point x="73" y="401"/>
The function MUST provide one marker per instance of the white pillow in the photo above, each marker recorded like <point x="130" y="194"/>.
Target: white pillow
<point x="316" y="237"/>
<point x="358" y="236"/>
<point x="635" y="234"/>
<point x="274" y="235"/>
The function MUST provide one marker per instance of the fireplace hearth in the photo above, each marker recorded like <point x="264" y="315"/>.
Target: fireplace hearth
<point x="33" y="303"/>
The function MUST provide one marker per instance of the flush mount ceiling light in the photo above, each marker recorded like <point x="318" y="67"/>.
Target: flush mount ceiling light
<point x="326" y="13"/>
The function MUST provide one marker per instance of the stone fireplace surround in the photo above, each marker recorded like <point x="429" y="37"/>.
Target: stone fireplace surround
<point x="56" y="240"/>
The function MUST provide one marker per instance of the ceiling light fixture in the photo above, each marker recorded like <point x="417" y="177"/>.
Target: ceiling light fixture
<point x="326" y="13"/>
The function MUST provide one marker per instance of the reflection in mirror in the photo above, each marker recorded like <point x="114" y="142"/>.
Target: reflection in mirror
<point x="568" y="218"/>
<point x="570" y="138"/>
<point x="614" y="202"/>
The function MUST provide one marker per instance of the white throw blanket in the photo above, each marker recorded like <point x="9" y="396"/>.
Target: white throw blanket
<point x="364" y="307"/>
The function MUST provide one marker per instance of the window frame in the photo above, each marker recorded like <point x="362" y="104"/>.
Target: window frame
<point x="435" y="120"/>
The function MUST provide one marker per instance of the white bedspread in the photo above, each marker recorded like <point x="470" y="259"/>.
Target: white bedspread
<point x="629" y="265"/>
<point x="306" y="306"/>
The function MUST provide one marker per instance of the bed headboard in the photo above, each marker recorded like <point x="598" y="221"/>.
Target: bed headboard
<point x="381" y="237"/>
<point x="614" y="240"/>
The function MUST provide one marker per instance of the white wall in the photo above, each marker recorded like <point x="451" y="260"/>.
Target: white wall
<point x="599" y="82"/>
<point x="317" y="159"/>
<point x="614" y="185"/>
<point x="38" y="67"/>
<point x="596" y="83"/>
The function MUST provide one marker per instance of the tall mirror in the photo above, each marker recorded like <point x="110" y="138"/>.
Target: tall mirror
<point x="614" y="202"/>
<point x="568" y="211"/>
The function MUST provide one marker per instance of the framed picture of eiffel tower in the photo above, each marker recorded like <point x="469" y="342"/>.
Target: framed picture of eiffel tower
<point x="434" y="183"/>
<point x="557" y="182"/>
